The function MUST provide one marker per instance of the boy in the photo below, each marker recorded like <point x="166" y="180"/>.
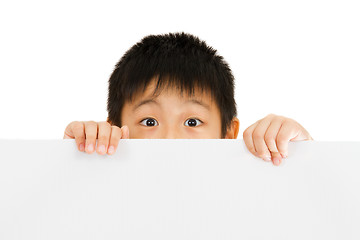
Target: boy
<point x="175" y="86"/>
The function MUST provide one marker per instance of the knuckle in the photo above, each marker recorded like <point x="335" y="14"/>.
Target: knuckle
<point x="281" y="141"/>
<point x="269" y="138"/>
<point x="281" y="136"/>
<point x="115" y="127"/>
<point x="278" y="117"/>
<point x="285" y="120"/>
<point x="91" y="136"/>
<point x="91" y="123"/>
<point x="103" y="139"/>
<point x="271" y="115"/>
<point x="73" y="123"/>
<point x="115" y="132"/>
<point x="78" y="128"/>
<point x="246" y="134"/>
<point x="257" y="135"/>
<point x="104" y="123"/>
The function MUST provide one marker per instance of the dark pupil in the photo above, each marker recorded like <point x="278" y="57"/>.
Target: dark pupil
<point x="192" y="122"/>
<point x="150" y="122"/>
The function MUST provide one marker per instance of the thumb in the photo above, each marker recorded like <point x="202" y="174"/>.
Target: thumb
<point x="302" y="135"/>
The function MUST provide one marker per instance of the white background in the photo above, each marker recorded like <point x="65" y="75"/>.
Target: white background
<point x="299" y="59"/>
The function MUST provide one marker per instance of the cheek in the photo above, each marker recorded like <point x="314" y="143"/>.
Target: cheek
<point x="215" y="129"/>
<point x="139" y="132"/>
<point x="208" y="131"/>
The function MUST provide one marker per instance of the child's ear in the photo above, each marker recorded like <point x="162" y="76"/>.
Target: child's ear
<point x="233" y="131"/>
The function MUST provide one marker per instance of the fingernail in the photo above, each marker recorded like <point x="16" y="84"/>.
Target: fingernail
<point x="90" y="147"/>
<point x="111" y="150"/>
<point x="81" y="147"/>
<point x="267" y="158"/>
<point x="101" y="148"/>
<point x="284" y="155"/>
<point x="277" y="161"/>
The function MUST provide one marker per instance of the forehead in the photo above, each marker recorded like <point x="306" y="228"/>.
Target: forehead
<point x="171" y="103"/>
<point x="152" y="91"/>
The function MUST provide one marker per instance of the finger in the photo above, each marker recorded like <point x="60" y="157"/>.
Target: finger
<point x="259" y="139"/>
<point x="287" y="131"/>
<point x="302" y="135"/>
<point x="76" y="130"/>
<point x="271" y="134"/>
<point x="125" y="132"/>
<point x="276" y="158"/>
<point x="103" y="137"/>
<point x="68" y="133"/>
<point x="115" y="136"/>
<point x="91" y="130"/>
<point x="247" y="136"/>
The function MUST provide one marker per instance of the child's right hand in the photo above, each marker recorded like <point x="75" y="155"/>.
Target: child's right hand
<point x="86" y="133"/>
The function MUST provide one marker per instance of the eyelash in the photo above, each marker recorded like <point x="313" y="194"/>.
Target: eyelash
<point x="156" y="122"/>
<point x="197" y="120"/>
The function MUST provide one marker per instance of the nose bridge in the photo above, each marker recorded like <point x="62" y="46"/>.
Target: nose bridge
<point x="170" y="132"/>
<point x="170" y="128"/>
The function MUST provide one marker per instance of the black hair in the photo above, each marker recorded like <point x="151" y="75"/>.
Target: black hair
<point x="178" y="60"/>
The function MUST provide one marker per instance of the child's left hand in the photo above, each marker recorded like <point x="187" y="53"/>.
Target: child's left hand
<point x="268" y="138"/>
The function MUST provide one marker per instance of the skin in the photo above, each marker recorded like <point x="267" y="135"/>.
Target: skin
<point x="170" y="115"/>
<point x="173" y="116"/>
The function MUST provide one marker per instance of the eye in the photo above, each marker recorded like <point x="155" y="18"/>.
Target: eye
<point x="193" y="122"/>
<point x="149" y="122"/>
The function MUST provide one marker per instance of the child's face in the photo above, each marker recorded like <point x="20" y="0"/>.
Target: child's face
<point x="172" y="115"/>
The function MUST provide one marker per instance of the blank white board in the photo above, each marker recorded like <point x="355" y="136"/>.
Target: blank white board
<point x="178" y="189"/>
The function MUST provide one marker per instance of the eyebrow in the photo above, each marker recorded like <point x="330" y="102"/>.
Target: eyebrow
<point x="200" y="103"/>
<point x="153" y="101"/>
<point x="146" y="101"/>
